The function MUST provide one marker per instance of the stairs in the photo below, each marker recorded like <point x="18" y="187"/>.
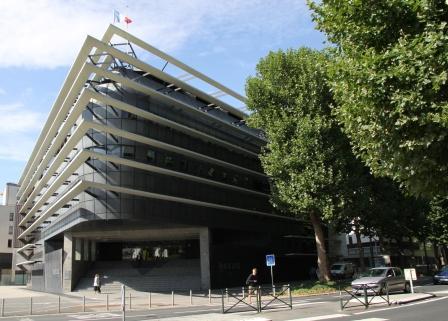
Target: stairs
<point x="173" y="274"/>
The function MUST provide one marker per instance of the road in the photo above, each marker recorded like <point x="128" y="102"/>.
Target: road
<point x="314" y="308"/>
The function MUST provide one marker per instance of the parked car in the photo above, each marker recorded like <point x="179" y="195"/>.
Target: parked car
<point x="441" y="276"/>
<point x="342" y="270"/>
<point x="377" y="279"/>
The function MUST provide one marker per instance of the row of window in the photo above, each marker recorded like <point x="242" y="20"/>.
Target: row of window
<point x="153" y="130"/>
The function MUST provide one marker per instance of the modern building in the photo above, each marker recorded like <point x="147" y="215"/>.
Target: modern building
<point x="150" y="181"/>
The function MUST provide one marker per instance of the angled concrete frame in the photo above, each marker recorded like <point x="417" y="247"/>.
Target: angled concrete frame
<point x="82" y="185"/>
<point x="86" y="96"/>
<point x="57" y="113"/>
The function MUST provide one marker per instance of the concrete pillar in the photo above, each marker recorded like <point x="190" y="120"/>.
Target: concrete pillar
<point x="204" y="248"/>
<point x="67" y="263"/>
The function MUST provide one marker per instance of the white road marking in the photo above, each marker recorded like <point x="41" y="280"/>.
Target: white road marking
<point x="26" y="319"/>
<point x="322" y="317"/>
<point x="372" y="319"/>
<point x="94" y="316"/>
<point x="194" y="311"/>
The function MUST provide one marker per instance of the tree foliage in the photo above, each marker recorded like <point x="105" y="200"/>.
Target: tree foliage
<point x="437" y="221"/>
<point x="390" y="82"/>
<point x="306" y="154"/>
<point x="290" y="100"/>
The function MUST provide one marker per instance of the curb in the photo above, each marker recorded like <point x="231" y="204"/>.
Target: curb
<point x="428" y="296"/>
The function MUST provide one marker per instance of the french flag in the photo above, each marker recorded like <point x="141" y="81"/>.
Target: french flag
<point x="118" y="17"/>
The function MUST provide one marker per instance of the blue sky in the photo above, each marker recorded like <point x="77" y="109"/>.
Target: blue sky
<point x="223" y="39"/>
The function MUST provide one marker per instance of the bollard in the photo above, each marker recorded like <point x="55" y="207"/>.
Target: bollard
<point x="149" y="299"/>
<point x="290" y="295"/>
<point x="130" y="301"/>
<point x="273" y="289"/>
<point x="172" y="298"/>
<point x="222" y="301"/>
<point x="3" y="307"/>
<point x="83" y="304"/>
<point x="107" y="302"/>
<point x="209" y="296"/>
<point x="59" y="304"/>
<point x="227" y="294"/>
<point x="31" y="306"/>
<point x="191" y="297"/>
<point x="242" y="291"/>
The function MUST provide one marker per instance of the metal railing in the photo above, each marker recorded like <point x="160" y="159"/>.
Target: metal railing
<point x="363" y="295"/>
<point x="257" y="299"/>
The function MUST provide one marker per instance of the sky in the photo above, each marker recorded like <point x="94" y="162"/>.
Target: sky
<point x="41" y="38"/>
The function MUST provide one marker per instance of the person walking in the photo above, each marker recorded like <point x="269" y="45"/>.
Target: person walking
<point x="97" y="283"/>
<point x="252" y="283"/>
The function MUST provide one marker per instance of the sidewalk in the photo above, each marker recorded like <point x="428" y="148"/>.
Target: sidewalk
<point x="19" y="291"/>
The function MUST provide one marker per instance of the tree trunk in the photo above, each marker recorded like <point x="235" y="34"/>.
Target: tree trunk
<point x="426" y="257"/>
<point x="371" y="252"/>
<point x="436" y="255"/>
<point x="362" y="264"/>
<point x="322" y="260"/>
<point x="444" y="255"/>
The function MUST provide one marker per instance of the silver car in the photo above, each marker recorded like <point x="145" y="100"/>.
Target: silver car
<point x="378" y="278"/>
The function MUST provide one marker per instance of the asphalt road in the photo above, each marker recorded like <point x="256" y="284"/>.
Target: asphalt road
<point x="304" y="309"/>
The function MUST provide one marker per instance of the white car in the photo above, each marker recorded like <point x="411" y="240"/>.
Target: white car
<point x="342" y="270"/>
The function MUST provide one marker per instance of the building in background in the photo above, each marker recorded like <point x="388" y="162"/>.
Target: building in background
<point x="383" y="252"/>
<point x="7" y="211"/>
<point x="150" y="177"/>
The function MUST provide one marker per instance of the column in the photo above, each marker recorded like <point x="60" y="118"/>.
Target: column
<point x="204" y="248"/>
<point x="67" y="263"/>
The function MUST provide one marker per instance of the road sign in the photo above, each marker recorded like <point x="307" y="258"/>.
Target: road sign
<point x="410" y="275"/>
<point x="270" y="260"/>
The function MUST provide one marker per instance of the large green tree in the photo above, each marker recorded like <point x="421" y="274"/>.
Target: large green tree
<point x="306" y="151"/>
<point x="390" y="82"/>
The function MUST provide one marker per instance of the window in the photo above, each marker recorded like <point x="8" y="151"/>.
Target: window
<point x="11" y="217"/>
<point x="350" y="240"/>
<point x="169" y="161"/>
<point x="9" y="243"/>
<point x="183" y="164"/>
<point x="128" y="151"/>
<point x="151" y="156"/>
<point x="78" y="249"/>
<point x="10" y="230"/>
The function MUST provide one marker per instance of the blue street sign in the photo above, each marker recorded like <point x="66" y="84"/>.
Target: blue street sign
<point x="270" y="260"/>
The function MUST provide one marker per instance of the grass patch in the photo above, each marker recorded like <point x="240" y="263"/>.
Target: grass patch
<point x="316" y="287"/>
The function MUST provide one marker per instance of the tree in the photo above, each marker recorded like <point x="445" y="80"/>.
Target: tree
<point x="437" y="226"/>
<point x="306" y="152"/>
<point x="390" y="83"/>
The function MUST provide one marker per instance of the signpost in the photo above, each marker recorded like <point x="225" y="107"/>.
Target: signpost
<point x="410" y="275"/>
<point x="270" y="261"/>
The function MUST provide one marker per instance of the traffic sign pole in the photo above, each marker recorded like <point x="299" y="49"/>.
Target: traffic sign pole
<point x="270" y="261"/>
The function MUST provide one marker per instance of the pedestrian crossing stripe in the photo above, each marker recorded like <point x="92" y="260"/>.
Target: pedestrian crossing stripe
<point x="322" y="317"/>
